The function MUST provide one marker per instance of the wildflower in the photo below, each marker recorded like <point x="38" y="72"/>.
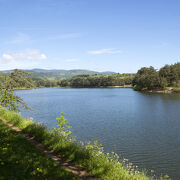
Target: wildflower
<point x="2" y="163"/>
<point x="37" y="169"/>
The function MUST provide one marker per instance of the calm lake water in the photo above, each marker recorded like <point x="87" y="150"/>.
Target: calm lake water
<point x="144" y="128"/>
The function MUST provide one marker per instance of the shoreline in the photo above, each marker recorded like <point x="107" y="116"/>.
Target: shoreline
<point x="168" y="90"/>
<point x="108" y="87"/>
<point x="90" y="157"/>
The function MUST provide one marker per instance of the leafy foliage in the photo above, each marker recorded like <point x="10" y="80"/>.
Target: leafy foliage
<point x="9" y="82"/>
<point x="146" y="78"/>
<point x="149" y="78"/>
<point x="8" y="99"/>
<point x="62" y="129"/>
<point x="87" y="81"/>
<point x="19" y="79"/>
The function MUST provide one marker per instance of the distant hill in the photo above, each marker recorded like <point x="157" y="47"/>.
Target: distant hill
<point x="54" y="74"/>
<point x="108" y="72"/>
<point x="46" y="70"/>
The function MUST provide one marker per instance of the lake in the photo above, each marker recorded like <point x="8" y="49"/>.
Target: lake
<point x="143" y="128"/>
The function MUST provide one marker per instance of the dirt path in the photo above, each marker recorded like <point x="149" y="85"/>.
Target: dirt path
<point x="76" y="170"/>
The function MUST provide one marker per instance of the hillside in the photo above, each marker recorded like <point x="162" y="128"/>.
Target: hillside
<point x="56" y="74"/>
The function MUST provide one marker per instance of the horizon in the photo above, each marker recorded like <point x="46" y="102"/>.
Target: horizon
<point x="57" y="70"/>
<point x="117" y="35"/>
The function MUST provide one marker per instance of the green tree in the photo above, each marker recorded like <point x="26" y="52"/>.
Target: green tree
<point x="8" y="99"/>
<point x="146" y="78"/>
<point x="165" y="73"/>
<point x="63" y="129"/>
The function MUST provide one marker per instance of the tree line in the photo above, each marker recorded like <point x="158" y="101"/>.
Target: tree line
<point x="19" y="79"/>
<point x="148" y="78"/>
<point x="89" y="81"/>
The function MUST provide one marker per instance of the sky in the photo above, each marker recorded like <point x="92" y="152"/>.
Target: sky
<point x="99" y="35"/>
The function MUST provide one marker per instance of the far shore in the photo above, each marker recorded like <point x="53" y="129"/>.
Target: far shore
<point x="167" y="90"/>
<point x="124" y="86"/>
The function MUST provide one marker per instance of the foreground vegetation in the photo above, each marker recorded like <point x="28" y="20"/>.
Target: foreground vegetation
<point x="19" y="159"/>
<point x="90" y="156"/>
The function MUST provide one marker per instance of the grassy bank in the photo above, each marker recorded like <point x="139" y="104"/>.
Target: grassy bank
<point x="90" y="156"/>
<point x="19" y="159"/>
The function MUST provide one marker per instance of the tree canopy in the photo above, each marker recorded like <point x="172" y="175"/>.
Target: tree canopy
<point x="149" y="78"/>
<point x="88" y="81"/>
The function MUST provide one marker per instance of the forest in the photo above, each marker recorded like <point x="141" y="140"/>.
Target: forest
<point x="87" y="81"/>
<point x="152" y="79"/>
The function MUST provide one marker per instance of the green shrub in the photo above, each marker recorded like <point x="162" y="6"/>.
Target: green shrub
<point x="62" y="128"/>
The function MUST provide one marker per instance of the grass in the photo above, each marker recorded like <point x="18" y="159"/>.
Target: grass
<point x="19" y="159"/>
<point x="90" y="156"/>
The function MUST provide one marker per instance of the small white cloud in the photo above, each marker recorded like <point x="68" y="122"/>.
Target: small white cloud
<point x="72" y="60"/>
<point x="22" y="60"/>
<point x="25" y="60"/>
<point x="7" y="57"/>
<point x="29" y="55"/>
<point x="105" y="51"/>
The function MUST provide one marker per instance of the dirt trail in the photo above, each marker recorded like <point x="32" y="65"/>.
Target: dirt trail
<point x="76" y="170"/>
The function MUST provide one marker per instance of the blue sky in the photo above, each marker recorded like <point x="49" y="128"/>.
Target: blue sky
<point x="101" y="35"/>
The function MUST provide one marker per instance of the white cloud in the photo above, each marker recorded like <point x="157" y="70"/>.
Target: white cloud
<point x="105" y="51"/>
<point x="7" y="57"/>
<point x="21" y="60"/>
<point x="29" y="55"/>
